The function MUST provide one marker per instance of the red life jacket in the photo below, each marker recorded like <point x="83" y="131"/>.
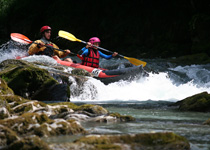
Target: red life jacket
<point x="92" y="59"/>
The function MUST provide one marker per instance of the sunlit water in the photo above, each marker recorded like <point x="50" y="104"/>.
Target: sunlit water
<point x="144" y="98"/>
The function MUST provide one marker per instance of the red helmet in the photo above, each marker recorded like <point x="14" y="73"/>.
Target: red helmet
<point x="94" y="40"/>
<point x="44" y="28"/>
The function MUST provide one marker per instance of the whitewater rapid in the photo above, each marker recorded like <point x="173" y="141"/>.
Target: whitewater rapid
<point x="154" y="87"/>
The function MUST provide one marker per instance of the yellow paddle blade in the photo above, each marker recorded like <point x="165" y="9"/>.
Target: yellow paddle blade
<point x="68" y="36"/>
<point x="135" y="61"/>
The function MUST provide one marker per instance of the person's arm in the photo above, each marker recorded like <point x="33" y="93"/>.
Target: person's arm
<point x="82" y="50"/>
<point x="104" y="55"/>
<point x="61" y="54"/>
<point x="85" y="52"/>
<point x="35" y="48"/>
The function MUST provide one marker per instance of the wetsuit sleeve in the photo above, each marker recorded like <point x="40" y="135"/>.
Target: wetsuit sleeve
<point x="82" y="50"/>
<point x="33" y="49"/>
<point x="104" y="55"/>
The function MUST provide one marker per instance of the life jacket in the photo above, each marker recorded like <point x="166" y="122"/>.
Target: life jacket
<point x="48" y="51"/>
<point x="92" y="59"/>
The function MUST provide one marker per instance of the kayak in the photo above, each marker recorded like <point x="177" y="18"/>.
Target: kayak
<point x="109" y="76"/>
<point x="104" y="75"/>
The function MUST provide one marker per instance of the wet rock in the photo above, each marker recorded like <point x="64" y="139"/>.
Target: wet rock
<point x="30" y="106"/>
<point x="4" y="113"/>
<point x="4" y="108"/>
<point x="106" y="119"/>
<point x="41" y="125"/>
<point x="29" y="143"/>
<point x="7" y="136"/>
<point x="207" y="122"/>
<point x="80" y="72"/>
<point x="122" y="118"/>
<point x="4" y="89"/>
<point x="29" y="81"/>
<point x="94" y="109"/>
<point x="199" y="102"/>
<point x="146" y="141"/>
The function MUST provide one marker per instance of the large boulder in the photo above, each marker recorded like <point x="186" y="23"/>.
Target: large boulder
<point x="31" y="82"/>
<point x="199" y="102"/>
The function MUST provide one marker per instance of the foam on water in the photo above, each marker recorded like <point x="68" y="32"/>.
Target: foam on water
<point x="155" y="87"/>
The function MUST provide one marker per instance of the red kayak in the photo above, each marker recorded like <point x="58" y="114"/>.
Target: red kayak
<point x="109" y="76"/>
<point x="104" y="75"/>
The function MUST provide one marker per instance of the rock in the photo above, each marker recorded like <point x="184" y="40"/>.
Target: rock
<point x="4" y="108"/>
<point x="41" y="125"/>
<point x="31" y="82"/>
<point x="144" y="141"/>
<point x="4" y="89"/>
<point x="94" y="109"/>
<point x="122" y="118"/>
<point x="29" y="143"/>
<point x="4" y="113"/>
<point x="207" y="122"/>
<point x="80" y="72"/>
<point x="30" y="106"/>
<point x="199" y="102"/>
<point x="7" y="136"/>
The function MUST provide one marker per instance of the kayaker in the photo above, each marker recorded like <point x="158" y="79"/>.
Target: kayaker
<point x="39" y="46"/>
<point x="90" y="53"/>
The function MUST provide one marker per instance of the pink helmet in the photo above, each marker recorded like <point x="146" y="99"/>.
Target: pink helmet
<point x="94" y="40"/>
<point x="44" y="28"/>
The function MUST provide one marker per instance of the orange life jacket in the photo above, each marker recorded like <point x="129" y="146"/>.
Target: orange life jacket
<point x="92" y="59"/>
<point x="48" y="51"/>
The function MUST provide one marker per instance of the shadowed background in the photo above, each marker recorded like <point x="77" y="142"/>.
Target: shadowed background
<point x="137" y="28"/>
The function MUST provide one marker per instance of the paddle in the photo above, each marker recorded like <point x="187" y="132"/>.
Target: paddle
<point x="25" y="40"/>
<point x="71" y="37"/>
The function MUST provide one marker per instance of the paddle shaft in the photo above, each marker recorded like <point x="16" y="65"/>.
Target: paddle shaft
<point x="54" y="48"/>
<point x="103" y="49"/>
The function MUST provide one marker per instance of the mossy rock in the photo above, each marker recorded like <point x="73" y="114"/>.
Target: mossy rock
<point x="4" y="105"/>
<point x="199" y="102"/>
<point x="21" y="124"/>
<point x="94" y="109"/>
<point x="7" y="136"/>
<point x="207" y="122"/>
<point x="13" y="100"/>
<point x="29" y="81"/>
<point x="28" y="107"/>
<point x="69" y="104"/>
<point x="4" y="89"/>
<point x="4" y="113"/>
<point x="29" y="143"/>
<point x="122" y="118"/>
<point x="146" y="141"/>
<point x="80" y="72"/>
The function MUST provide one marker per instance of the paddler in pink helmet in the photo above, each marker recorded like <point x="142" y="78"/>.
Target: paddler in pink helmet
<point x="91" y="54"/>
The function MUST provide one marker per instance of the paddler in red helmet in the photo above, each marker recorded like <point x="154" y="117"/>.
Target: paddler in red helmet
<point x="41" y="49"/>
<point x="90" y="53"/>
